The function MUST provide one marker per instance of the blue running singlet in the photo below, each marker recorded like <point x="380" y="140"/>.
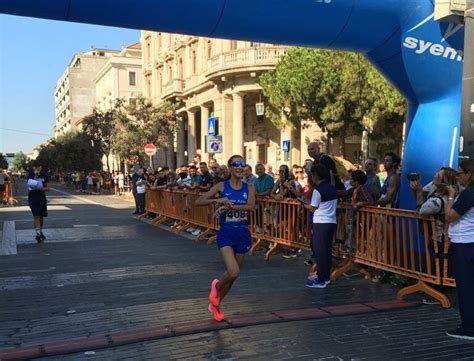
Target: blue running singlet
<point x="234" y="224"/>
<point x="396" y="196"/>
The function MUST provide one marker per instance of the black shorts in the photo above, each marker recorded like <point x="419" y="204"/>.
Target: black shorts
<point x="38" y="207"/>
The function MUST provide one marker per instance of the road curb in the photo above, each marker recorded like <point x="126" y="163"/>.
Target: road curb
<point x="187" y="328"/>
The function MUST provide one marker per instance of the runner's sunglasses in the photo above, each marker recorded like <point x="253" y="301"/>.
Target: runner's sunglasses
<point x="238" y="163"/>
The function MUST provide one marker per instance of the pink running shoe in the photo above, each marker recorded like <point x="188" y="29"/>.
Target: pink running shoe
<point x="216" y="312"/>
<point x="214" y="294"/>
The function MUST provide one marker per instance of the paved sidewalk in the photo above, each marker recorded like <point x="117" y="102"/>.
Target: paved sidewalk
<point x="105" y="272"/>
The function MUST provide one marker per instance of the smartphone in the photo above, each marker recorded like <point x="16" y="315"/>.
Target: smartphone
<point x="413" y="176"/>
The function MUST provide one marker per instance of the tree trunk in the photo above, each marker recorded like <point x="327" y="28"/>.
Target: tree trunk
<point x="343" y="142"/>
<point x="108" y="162"/>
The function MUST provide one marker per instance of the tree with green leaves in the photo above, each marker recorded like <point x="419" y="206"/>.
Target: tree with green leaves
<point x="3" y="162"/>
<point x="69" y="152"/>
<point x="340" y="91"/>
<point x="20" y="162"/>
<point x="140" y="123"/>
<point x="100" y="126"/>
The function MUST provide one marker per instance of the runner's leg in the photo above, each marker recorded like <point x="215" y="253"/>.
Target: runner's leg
<point x="232" y="262"/>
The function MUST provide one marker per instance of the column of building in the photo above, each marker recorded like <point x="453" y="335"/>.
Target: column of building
<point x="204" y="119"/>
<point x="238" y="124"/>
<point x="191" y="135"/>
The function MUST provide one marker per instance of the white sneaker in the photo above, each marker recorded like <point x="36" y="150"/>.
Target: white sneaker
<point x="197" y="232"/>
<point x="191" y="230"/>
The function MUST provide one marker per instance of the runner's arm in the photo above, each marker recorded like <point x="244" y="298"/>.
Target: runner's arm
<point x="209" y="197"/>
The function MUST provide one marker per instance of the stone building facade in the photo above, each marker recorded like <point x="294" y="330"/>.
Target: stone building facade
<point x="120" y="78"/>
<point x="218" y="78"/>
<point x="74" y="94"/>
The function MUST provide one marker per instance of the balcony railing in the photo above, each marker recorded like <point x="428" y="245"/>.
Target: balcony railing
<point x="245" y="57"/>
<point x="175" y="86"/>
<point x="235" y="59"/>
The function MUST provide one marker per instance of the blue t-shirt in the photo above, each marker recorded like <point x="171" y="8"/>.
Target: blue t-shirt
<point x="233" y="218"/>
<point x="264" y="183"/>
<point x="462" y="230"/>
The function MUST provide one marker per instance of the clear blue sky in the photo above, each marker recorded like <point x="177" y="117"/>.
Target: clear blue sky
<point x="33" y="55"/>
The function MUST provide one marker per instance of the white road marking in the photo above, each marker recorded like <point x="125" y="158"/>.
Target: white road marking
<point x="72" y="195"/>
<point x="27" y="208"/>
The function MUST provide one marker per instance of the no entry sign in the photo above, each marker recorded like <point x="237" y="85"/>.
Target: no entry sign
<point x="150" y="149"/>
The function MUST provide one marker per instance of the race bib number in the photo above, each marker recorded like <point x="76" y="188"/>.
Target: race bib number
<point x="236" y="216"/>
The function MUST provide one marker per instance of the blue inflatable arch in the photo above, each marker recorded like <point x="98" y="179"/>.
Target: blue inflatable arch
<point x="421" y="57"/>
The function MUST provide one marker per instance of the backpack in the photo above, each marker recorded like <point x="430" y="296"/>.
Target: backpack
<point x="340" y="167"/>
<point x="440" y="213"/>
<point x="341" y="172"/>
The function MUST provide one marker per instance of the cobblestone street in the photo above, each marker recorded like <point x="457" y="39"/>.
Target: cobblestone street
<point x="103" y="273"/>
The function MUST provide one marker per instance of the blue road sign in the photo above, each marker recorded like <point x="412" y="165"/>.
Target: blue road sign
<point x="286" y="146"/>
<point x="211" y="126"/>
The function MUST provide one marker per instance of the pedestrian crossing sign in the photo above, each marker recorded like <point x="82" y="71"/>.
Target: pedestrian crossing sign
<point x="211" y="126"/>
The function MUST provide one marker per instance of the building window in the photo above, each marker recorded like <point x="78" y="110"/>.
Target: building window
<point x="148" y="88"/>
<point x="180" y="69"/>
<point x="209" y="49"/>
<point x="101" y="53"/>
<point x="193" y="62"/>
<point x="132" y="78"/>
<point x="160" y="82"/>
<point x="233" y="45"/>
<point x="148" y="52"/>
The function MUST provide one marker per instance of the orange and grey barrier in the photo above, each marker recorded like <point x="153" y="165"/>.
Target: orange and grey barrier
<point x="393" y="240"/>
<point x="280" y="222"/>
<point x="402" y="242"/>
<point x="7" y="195"/>
<point x="180" y="206"/>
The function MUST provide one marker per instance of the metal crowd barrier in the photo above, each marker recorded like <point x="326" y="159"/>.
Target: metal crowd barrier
<point x="398" y="241"/>
<point x="7" y="195"/>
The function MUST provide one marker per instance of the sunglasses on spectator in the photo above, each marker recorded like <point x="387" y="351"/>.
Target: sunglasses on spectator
<point x="238" y="163"/>
<point x="299" y="172"/>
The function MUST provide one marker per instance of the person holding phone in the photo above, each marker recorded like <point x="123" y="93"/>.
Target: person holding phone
<point x="285" y="186"/>
<point x="236" y="200"/>
<point x="432" y="198"/>
<point x="38" y="185"/>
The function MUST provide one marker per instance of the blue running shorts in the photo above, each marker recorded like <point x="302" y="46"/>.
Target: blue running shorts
<point x="238" y="238"/>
